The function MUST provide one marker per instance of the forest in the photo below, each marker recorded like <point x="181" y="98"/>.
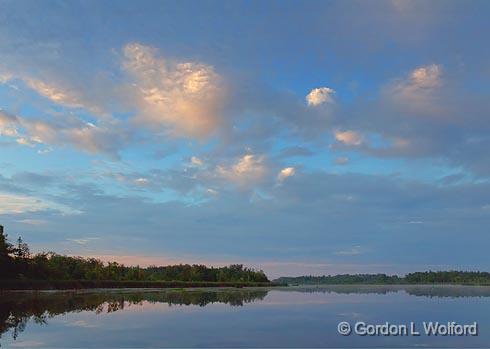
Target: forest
<point x="17" y="263"/>
<point x="428" y="277"/>
<point x="369" y="279"/>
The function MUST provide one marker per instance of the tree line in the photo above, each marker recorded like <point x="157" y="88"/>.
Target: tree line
<point x="17" y="262"/>
<point x="368" y="279"/>
<point x="428" y="277"/>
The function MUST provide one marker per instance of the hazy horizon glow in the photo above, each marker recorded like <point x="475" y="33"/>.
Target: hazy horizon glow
<point x="298" y="138"/>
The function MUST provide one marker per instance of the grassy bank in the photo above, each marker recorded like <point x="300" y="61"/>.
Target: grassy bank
<point x="87" y="284"/>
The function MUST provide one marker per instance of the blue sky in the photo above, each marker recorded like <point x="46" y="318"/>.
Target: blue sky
<point x="297" y="137"/>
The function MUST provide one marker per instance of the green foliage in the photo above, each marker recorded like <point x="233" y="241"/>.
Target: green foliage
<point x="430" y="277"/>
<point x="449" y="277"/>
<point x="371" y="279"/>
<point x="18" y="263"/>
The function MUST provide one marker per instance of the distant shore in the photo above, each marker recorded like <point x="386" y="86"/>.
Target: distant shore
<point x="452" y="277"/>
<point x="7" y="285"/>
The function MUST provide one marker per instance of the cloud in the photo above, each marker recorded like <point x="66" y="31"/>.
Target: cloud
<point x="27" y="344"/>
<point x="212" y="192"/>
<point x="55" y="91"/>
<point x="8" y="124"/>
<point x="142" y="181"/>
<point x="80" y="323"/>
<point x="417" y="93"/>
<point x="5" y="77"/>
<point x="83" y="241"/>
<point x="285" y="173"/>
<point x="318" y="96"/>
<point x="196" y="161"/>
<point x="311" y="214"/>
<point x="426" y="77"/>
<point x="108" y="137"/>
<point x="17" y="204"/>
<point x="428" y="112"/>
<point x="33" y="221"/>
<point x="25" y="141"/>
<point x="355" y="250"/>
<point x="82" y="135"/>
<point x="249" y="169"/>
<point x="349" y="137"/>
<point x="182" y="98"/>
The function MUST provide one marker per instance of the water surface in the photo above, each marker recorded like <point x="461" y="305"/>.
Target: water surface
<point x="280" y="317"/>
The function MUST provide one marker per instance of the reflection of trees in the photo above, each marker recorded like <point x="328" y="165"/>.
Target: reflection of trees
<point x="448" y="291"/>
<point x="451" y="291"/>
<point x="346" y="289"/>
<point x="17" y="308"/>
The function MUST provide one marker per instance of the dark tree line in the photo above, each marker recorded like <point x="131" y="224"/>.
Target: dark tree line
<point x="442" y="277"/>
<point x="371" y="279"/>
<point x="17" y="262"/>
<point x="429" y="277"/>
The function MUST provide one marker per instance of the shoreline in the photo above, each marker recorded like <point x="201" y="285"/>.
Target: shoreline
<point x="149" y="286"/>
<point x="39" y="285"/>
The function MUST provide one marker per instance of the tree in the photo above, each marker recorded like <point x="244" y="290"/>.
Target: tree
<point x="6" y="262"/>
<point x="5" y="246"/>
<point x="22" y="250"/>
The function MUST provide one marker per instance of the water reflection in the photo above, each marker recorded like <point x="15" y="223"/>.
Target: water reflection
<point x="452" y="291"/>
<point x="318" y="306"/>
<point x="17" y="308"/>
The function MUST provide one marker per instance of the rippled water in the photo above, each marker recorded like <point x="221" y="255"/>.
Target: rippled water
<point x="279" y="317"/>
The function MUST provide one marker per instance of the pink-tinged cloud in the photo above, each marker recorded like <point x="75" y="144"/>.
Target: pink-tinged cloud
<point x="182" y="98"/>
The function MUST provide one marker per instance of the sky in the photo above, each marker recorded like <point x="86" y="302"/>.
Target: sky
<point x="314" y="137"/>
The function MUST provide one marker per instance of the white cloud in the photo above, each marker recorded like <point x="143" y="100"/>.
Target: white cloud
<point x="141" y="181"/>
<point x="426" y="77"/>
<point x="55" y="91"/>
<point x="25" y="141"/>
<point x="212" y="192"/>
<point x="86" y="136"/>
<point x="247" y="170"/>
<point x="17" y="204"/>
<point x="349" y="137"/>
<point x="418" y="91"/>
<point x="183" y="98"/>
<point x="319" y="96"/>
<point x="285" y="173"/>
<point x="196" y="161"/>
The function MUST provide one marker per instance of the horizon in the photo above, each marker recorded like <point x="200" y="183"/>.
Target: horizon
<point x="160" y="262"/>
<point x="272" y="135"/>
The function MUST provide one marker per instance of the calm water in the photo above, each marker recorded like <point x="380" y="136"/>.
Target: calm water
<point x="292" y="317"/>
